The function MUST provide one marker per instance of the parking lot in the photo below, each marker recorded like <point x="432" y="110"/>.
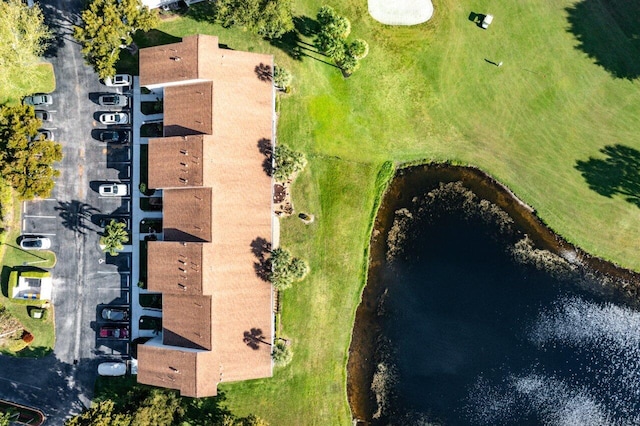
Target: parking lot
<point x="85" y="278"/>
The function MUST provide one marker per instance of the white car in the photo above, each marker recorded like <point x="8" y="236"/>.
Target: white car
<point x="118" y="80"/>
<point x="112" y="190"/>
<point x="112" y="369"/>
<point x="114" y="118"/>
<point x="35" y="243"/>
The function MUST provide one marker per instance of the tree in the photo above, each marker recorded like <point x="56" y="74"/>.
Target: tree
<point x="281" y="353"/>
<point x="26" y="163"/>
<point x="160" y="407"/>
<point x="267" y="18"/>
<point x="287" y="162"/>
<point x="101" y="414"/>
<point x="24" y="38"/>
<point x="359" y="49"/>
<point x="285" y="269"/>
<point x="115" y="235"/>
<point x="281" y="77"/>
<point x="331" y="39"/>
<point x="107" y="27"/>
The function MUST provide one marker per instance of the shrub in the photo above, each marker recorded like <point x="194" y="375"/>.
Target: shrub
<point x="281" y="354"/>
<point x="27" y="337"/>
<point x="288" y="162"/>
<point x="281" y="77"/>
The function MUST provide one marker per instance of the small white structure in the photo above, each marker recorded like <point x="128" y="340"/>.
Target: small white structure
<point x="488" y="19"/>
<point x="33" y="288"/>
<point x="401" y="12"/>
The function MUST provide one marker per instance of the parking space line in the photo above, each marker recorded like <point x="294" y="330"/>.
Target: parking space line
<point x="35" y="215"/>
<point x="108" y="272"/>
<point x="20" y="383"/>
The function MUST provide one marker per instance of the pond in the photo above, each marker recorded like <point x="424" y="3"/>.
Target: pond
<point x="466" y="321"/>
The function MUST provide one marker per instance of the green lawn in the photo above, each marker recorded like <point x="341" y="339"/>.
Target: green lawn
<point x="41" y="80"/>
<point x="426" y="93"/>
<point x="43" y="330"/>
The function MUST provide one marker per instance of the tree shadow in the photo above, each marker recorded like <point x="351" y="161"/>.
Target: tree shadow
<point x="617" y="174"/>
<point x="75" y="215"/>
<point x="254" y="337"/>
<point x="609" y="33"/>
<point x="260" y="248"/>
<point x="266" y="148"/>
<point x="61" y="23"/>
<point x="204" y="12"/>
<point x="263" y="72"/>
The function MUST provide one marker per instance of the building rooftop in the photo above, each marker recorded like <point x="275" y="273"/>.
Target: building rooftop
<point x="218" y="202"/>
<point x="177" y="162"/>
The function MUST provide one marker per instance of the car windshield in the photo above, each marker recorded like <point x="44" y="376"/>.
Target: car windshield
<point x="32" y="243"/>
<point x="109" y="98"/>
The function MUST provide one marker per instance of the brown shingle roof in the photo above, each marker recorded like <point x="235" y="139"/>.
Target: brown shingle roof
<point x="176" y="162"/>
<point x="169" y="62"/>
<point x="239" y="214"/>
<point x="187" y="214"/>
<point x="189" y="111"/>
<point x="174" y="267"/>
<point x="191" y="372"/>
<point x="186" y="321"/>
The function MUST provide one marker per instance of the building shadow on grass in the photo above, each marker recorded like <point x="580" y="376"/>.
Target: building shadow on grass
<point x="609" y="33"/>
<point x="616" y="174"/>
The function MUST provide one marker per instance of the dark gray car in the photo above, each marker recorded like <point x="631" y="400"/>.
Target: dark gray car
<point x="113" y="100"/>
<point x="115" y="314"/>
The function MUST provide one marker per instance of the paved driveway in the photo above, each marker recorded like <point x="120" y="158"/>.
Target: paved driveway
<point x="84" y="277"/>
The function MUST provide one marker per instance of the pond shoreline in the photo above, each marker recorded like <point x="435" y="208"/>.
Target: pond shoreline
<point x="415" y="181"/>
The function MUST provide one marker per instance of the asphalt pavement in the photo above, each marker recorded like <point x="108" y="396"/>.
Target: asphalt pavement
<point x="85" y="278"/>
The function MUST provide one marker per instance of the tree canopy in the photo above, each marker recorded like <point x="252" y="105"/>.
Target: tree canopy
<point x="115" y="235"/>
<point x="146" y="406"/>
<point x="267" y="18"/>
<point x="24" y="38"/>
<point x="285" y="269"/>
<point x="331" y="39"/>
<point x="287" y="162"/>
<point x="107" y="27"/>
<point x="26" y="162"/>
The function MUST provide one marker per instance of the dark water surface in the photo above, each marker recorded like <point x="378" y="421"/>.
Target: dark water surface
<point x="469" y="336"/>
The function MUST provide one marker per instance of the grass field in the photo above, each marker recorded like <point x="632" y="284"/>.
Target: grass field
<point x="538" y="124"/>
<point x="41" y="80"/>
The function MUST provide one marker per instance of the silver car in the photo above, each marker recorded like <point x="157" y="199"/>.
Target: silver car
<point x="36" y="100"/>
<point x="43" y="115"/>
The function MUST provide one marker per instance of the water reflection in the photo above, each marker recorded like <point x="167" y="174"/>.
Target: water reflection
<point x="476" y="326"/>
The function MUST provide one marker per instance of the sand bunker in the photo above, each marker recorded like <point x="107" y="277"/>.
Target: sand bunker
<point x="401" y="12"/>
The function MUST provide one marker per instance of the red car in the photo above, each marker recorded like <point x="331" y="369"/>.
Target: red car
<point x="114" y="332"/>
